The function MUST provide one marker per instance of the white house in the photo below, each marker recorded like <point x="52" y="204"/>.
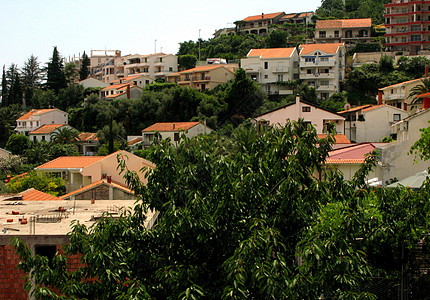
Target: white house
<point x="45" y="132"/>
<point x="322" y="119"/>
<point x="272" y="65"/>
<point x="323" y="66"/>
<point x="156" y="65"/>
<point x="397" y="161"/>
<point x="371" y="123"/>
<point x="173" y="130"/>
<point x="38" y="117"/>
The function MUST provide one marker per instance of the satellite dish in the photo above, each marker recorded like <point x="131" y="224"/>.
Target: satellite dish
<point x="347" y="106"/>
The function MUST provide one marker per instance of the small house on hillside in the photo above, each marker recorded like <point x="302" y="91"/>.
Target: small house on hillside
<point x="173" y="130"/>
<point x="322" y="119"/>
<point x="46" y="132"/>
<point x="39" y="117"/>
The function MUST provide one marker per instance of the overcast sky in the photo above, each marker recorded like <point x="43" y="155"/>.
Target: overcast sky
<point x="36" y="26"/>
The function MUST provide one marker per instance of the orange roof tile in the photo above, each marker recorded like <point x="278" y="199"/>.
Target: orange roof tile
<point x="271" y="52"/>
<point x="355" y="108"/>
<point x="423" y="95"/>
<point x="305" y="14"/>
<point x="262" y="17"/>
<point x="288" y="16"/>
<point x="172" y="126"/>
<point x="70" y="162"/>
<point x="115" y="95"/>
<point x="134" y="141"/>
<point x="113" y="183"/>
<point x="339" y="138"/>
<point x="116" y="86"/>
<point x="354" y="154"/>
<point x="45" y="129"/>
<point x="35" y="195"/>
<point x="344" y="23"/>
<point x="401" y="83"/>
<point x="373" y="107"/>
<point x="326" y="48"/>
<point x="201" y="69"/>
<point x="86" y="136"/>
<point x="34" y="112"/>
<point x="125" y="87"/>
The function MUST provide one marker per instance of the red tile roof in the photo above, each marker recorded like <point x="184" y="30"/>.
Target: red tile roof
<point x="34" y="112"/>
<point x="201" y="69"/>
<point x="423" y="95"/>
<point x="262" y="17"/>
<point x="113" y="184"/>
<point x="271" y="52"/>
<point x="344" y="23"/>
<point x="70" y="162"/>
<point x="350" y="155"/>
<point x="173" y="126"/>
<point x="331" y="48"/>
<point x="355" y="108"/>
<point x="401" y="83"/>
<point x="339" y="138"/>
<point x="134" y="141"/>
<point x="45" y="129"/>
<point x="35" y="195"/>
<point x="86" y="136"/>
<point x="115" y="95"/>
<point x="116" y="86"/>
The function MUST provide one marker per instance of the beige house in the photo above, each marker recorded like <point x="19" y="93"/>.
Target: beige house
<point x="322" y="119"/>
<point x="297" y="18"/>
<point x="203" y="77"/>
<point x="371" y="123"/>
<point x="46" y="132"/>
<point x="38" y="117"/>
<point x="157" y="65"/>
<point x="398" y="95"/>
<point x="397" y="161"/>
<point x="271" y="66"/>
<point x="106" y="65"/>
<point x="259" y="24"/>
<point x="323" y="66"/>
<point x="348" y="31"/>
<point x="173" y="131"/>
<point x="80" y="171"/>
<point x="87" y="143"/>
<point x="92" y="83"/>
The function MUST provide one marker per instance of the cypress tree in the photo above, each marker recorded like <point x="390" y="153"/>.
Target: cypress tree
<point x="56" y="78"/>
<point x="84" y="71"/>
<point x="4" y="88"/>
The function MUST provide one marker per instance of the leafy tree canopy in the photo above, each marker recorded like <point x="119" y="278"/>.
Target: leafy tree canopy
<point x="41" y="181"/>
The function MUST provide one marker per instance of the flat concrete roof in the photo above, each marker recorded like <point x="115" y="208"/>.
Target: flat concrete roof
<point x="51" y="220"/>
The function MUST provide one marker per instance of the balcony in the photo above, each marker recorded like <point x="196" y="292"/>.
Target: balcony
<point x="304" y="75"/>
<point x="281" y="69"/>
<point x="326" y="88"/>
<point x="252" y="69"/>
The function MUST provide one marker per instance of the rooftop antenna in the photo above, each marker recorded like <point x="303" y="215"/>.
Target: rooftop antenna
<point x="155" y="46"/>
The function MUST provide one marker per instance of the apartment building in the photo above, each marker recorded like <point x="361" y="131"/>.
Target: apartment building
<point x="259" y="24"/>
<point x="322" y="66"/>
<point x="397" y="95"/>
<point x="36" y="118"/>
<point x="203" y="77"/>
<point x="407" y="25"/>
<point x="106" y="65"/>
<point x="271" y="66"/>
<point x="348" y="31"/>
<point x="157" y="65"/>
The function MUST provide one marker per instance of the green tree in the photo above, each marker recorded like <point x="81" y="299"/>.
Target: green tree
<point x="31" y="78"/>
<point x="56" y="79"/>
<point x="276" y="39"/>
<point x="421" y="148"/>
<point x="64" y="135"/>
<point x="84" y="72"/>
<point x="14" y="91"/>
<point x="44" y="99"/>
<point x="41" y="181"/>
<point x="422" y="88"/>
<point x="70" y="96"/>
<point x="8" y="116"/>
<point x="187" y="61"/>
<point x="18" y="144"/>
<point x="4" y="88"/>
<point x="70" y="73"/>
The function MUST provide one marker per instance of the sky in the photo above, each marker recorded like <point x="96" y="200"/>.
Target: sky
<point x="135" y="27"/>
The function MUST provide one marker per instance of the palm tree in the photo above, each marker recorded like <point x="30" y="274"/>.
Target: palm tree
<point x="420" y="89"/>
<point x="65" y="135"/>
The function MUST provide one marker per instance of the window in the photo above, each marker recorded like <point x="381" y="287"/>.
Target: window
<point x="266" y="76"/>
<point x="310" y="59"/>
<point x="170" y="69"/>
<point x="176" y="136"/>
<point x="309" y="71"/>
<point x="43" y="138"/>
<point x="47" y="251"/>
<point x="396" y="117"/>
<point x="281" y="77"/>
<point x="266" y="65"/>
<point x="323" y="58"/>
<point x="146" y="81"/>
<point x="325" y="71"/>
<point x="322" y="34"/>
<point x="336" y="33"/>
<point x="324" y="96"/>
<point x="415" y="27"/>
<point x="306" y="109"/>
<point x="324" y="82"/>
<point x="161" y="59"/>
<point x="415" y="37"/>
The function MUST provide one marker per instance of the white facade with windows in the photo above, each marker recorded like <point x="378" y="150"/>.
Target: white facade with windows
<point x="271" y="67"/>
<point x="322" y="66"/>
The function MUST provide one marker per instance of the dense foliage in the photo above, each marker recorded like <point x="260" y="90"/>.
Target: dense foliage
<point x="242" y="218"/>
<point x="40" y="181"/>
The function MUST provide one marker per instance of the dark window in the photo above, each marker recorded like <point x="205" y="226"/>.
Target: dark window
<point x="396" y="117"/>
<point x="47" y="251"/>
<point x="176" y="136"/>
<point x="266" y="65"/>
<point x="306" y="109"/>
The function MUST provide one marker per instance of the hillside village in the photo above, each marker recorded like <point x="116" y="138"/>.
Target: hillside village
<point x="362" y="85"/>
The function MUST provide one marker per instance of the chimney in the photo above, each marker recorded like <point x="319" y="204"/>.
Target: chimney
<point x="298" y="106"/>
<point x="427" y="71"/>
<point x="8" y="178"/>
<point x="380" y="97"/>
<point x="128" y="92"/>
<point x="104" y="176"/>
<point x="426" y="103"/>
<point x="262" y="15"/>
<point x="109" y="179"/>
<point x="173" y="126"/>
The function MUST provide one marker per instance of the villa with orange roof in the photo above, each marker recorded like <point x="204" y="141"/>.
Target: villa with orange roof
<point x="259" y="24"/>
<point x="80" y="171"/>
<point x="173" y="131"/>
<point x="45" y="132"/>
<point x="348" y="31"/>
<point x="371" y="123"/>
<point x="322" y="66"/>
<point x="270" y="66"/>
<point x="87" y="143"/>
<point x="398" y="95"/>
<point x="297" y="18"/>
<point x="203" y="77"/>
<point x="121" y="91"/>
<point x="39" y="117"/>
